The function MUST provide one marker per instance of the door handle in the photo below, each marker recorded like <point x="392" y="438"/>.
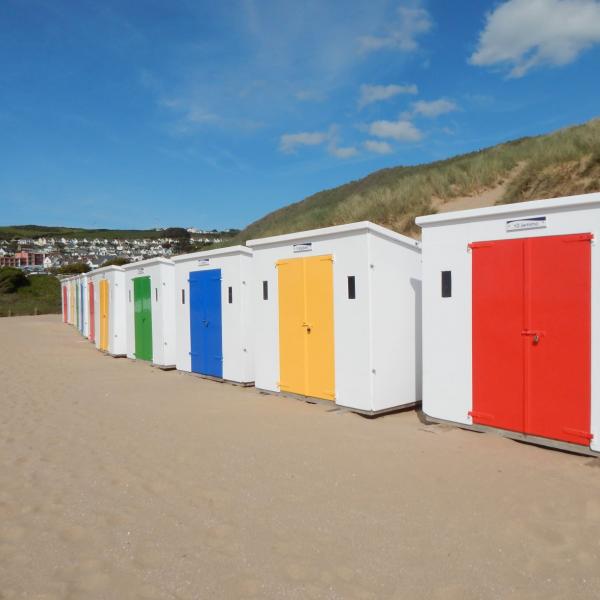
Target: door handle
<point x="535" y="335"/>
<point x="307" y="325"/>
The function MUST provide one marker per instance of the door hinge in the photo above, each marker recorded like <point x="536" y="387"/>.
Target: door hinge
<point x="579" y="433"/>
<point x="479" y="415"/>
<point x="584" y="237"/>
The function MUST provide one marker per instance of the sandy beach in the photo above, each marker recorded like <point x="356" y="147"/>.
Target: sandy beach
<point x="119" y="481"/>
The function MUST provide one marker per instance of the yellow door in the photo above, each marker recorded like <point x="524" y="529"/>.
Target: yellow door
<point x="306" y="350"/>
<point x="103" y="314"/>
<point x="292" y="343"/>
<point x="318" y="277"/>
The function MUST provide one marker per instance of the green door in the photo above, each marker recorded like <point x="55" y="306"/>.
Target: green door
<point x="143" y="318"/>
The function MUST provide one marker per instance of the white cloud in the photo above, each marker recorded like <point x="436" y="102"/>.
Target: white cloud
<point x="523" y="34"/>
<point x="342" y="152"/>
<point x="378" y="147"/>
<point x="433" y="108"/>
<point x="401" y="130"/>
<point x="309" y="96"/>
<point x="289" y="142"/>
<point x="192" y="113"/>
<point x="375" y="93"/>
<point x="192" y="116"/>
<point x="412" y="21"/>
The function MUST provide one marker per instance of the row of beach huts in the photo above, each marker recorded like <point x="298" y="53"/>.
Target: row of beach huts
<point x="491" y="321"/>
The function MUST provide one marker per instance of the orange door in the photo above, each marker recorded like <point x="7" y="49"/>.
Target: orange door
<point x="91" y="300"/>
<point x="292" y="343"/>
<point x="306" y="334"/>
<point x="318" y="277"/>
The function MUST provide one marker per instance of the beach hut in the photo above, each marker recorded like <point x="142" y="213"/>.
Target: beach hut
<point x="64" y="291"/>
<point x="108" y="305"/>
<point x="511" y="320"/>
<point x="72" y="302"/>
<point x="83" y="294"/>
<point x="337" y="316"/>
<point x="77" y="289"/>
<point x="151" y="311"/>
<point x="213" y="313"/>
<point x="91" y="309"/>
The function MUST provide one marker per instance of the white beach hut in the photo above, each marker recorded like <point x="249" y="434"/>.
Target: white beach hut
<point x="84" y="305"/>
<point x="511" y="321"/>
<point x="79" y="301"/>
<point x="107" y="309"/>
<point x="72" y="300"/>
<point x="151" y="311"/>
<point x="213" y="313"/>
<point x="65" y="299"/>
<point x="337" y="316"/>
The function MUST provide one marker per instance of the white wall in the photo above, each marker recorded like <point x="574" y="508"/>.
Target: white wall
<point x="236" y="272"/>
<point x="447" y="367"/>
<point x="364" y="328"/>
<point x="86" y="306"/>
<point x="395" y="273"/>
<point x="95" y="278"/>
<point x="117" y="330"/>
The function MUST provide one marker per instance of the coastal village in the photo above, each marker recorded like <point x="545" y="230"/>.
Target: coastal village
<point x="45" y="254"/>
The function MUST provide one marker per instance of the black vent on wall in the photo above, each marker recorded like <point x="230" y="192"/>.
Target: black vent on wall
<point x="351" y="287"/>
<point x="446" y="284"/>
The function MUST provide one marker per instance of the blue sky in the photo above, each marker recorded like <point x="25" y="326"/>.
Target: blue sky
<point x="211" y="114"/>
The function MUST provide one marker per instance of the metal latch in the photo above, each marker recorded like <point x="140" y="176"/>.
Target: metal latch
<point x="536" y="335"/>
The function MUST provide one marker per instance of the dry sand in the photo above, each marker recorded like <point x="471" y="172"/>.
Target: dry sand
<point x="121" y="481"/>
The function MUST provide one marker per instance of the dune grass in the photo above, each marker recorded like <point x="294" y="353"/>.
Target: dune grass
<point x="561" y="163"/>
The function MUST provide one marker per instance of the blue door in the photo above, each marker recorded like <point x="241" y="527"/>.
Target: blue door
<point x="205" y="322"/>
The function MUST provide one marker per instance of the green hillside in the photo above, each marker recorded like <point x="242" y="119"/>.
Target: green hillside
<point x="9" y="232"/>
<point x="561" y="163"/>
<point x="35" y="231"/>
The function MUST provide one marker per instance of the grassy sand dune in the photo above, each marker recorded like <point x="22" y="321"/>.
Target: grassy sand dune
<point x="561" y="163"/>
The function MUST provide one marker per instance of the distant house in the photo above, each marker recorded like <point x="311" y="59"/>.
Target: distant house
<point x="10" y="261"/>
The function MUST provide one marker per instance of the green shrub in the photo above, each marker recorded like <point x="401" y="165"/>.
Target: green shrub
<point x="74" y="269"/>
<point x="41" y="295"/>
<point x="118" y="262"/>
<point x="11" y="280"/>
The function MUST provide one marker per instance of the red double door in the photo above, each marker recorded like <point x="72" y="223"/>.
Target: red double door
<point x="532" y="337"/>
